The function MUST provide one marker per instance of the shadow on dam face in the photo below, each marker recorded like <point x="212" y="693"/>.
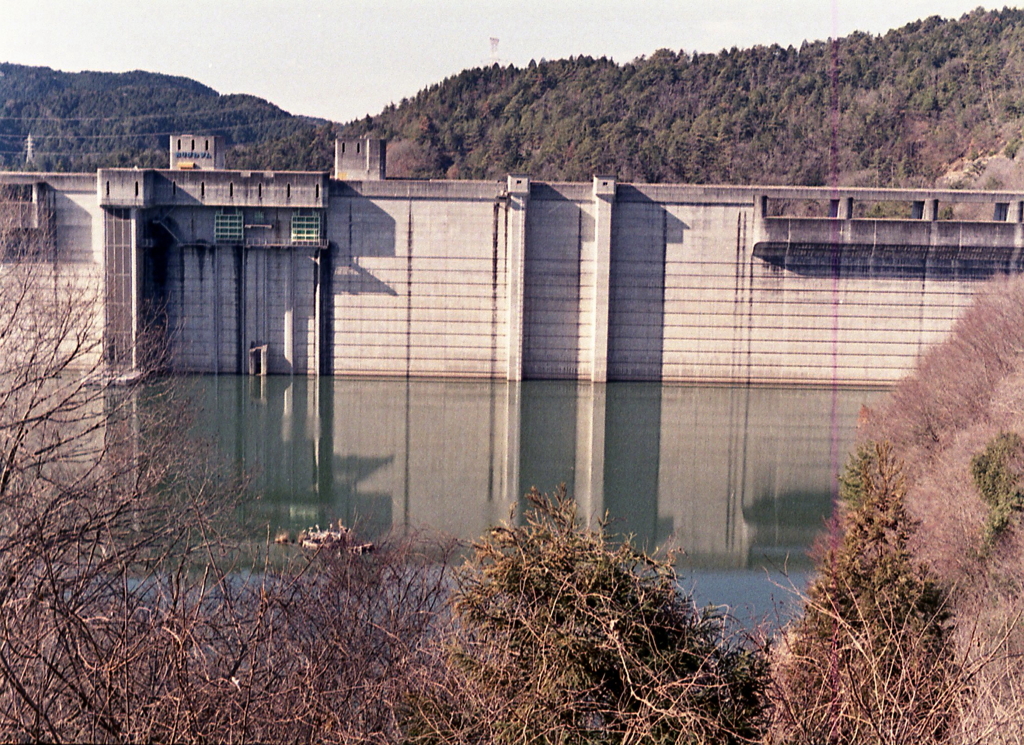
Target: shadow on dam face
<point x="641" y="232"/>
<point x="361" y="230"/>
<point x="912" y="262"/>
<point x="552" y="284"/>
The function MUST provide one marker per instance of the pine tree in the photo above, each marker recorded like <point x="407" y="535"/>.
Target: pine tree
<point x="871" y="659"/>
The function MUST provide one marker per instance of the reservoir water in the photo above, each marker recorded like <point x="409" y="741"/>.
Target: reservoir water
<point x="741" y="479"/>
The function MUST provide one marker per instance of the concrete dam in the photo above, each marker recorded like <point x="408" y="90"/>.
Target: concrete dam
<point x="356" y="274"/>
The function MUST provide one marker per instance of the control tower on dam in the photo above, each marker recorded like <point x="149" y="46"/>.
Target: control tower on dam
<point x="352" y="273"/>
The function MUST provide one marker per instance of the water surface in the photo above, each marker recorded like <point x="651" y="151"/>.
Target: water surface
<point x="739" y="478"/>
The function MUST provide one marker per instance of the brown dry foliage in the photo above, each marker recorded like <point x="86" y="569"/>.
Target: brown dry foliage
<point x="966" y="392"/>
<point x="129" y="611"/>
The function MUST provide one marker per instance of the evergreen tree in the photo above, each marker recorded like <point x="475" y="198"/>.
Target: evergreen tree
<point x="871" y="660"/>
<point x="996" y="472"/>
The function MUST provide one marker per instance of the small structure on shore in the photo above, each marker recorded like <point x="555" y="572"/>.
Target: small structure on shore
<point x="340" y="538"/>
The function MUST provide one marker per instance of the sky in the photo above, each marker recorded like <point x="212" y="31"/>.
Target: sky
<point x="344" y="59"/>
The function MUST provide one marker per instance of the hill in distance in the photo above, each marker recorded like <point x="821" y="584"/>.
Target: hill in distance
<point x="82" y="121"/>
<point x="937" y="102"/>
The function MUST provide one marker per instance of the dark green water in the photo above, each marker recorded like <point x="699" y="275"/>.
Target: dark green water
<point x="739" y="478"/>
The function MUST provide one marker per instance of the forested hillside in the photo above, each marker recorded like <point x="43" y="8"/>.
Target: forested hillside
<point x="80" y="121"/>
<point x="935" y="102"/>
<point x="901" y="109"/>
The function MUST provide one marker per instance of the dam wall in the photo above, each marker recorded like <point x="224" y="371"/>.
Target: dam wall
<point x="418" y="279"/>
<point x="51" y="262"/>
<point x="609" y="281"/>
<point x="299" y="273"/>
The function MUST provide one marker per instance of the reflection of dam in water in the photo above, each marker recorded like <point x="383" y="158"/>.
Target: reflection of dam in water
<point x="733" y="474"/>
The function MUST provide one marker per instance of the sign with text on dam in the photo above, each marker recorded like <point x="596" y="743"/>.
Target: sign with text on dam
<point x="190" y="155"/>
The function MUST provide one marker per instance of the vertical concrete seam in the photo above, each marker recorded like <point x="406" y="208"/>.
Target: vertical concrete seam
<point x="663" y="320"/>
<point x="216" y="311"/>
<point x="579" y="351"/>
<point x="737" y="306"/>
<point x="289" y="309"/>
<point x="134" y="258"/>
<point x="493" y="362"/>
<point x="240" y="315"/>
<point x="748" y="268"/>
<point x="408" y="290"/>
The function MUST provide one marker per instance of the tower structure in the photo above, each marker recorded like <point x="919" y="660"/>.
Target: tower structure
<point x="360" y="159"/>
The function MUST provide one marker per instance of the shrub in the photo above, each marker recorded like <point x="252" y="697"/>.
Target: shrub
<point x="996" y="474"/>
<point x="566" y="637"/>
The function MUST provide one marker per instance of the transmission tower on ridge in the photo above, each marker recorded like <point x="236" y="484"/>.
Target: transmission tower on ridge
<point x="495" y="60"/>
